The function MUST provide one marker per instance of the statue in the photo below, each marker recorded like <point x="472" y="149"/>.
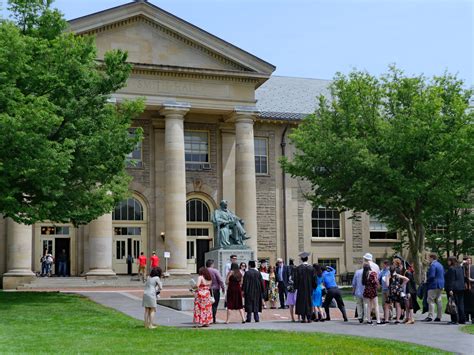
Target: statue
<point x="229" y="228"/>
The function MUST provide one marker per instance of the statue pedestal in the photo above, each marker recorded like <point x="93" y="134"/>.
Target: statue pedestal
<point x="222" y="256"/>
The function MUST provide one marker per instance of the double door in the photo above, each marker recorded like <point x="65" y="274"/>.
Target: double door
<point x="126" y="253"/>
<point x="55" y="246"/>
<point x="196" y="248"/>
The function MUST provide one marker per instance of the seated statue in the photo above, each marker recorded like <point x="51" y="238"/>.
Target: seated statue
<point x="229" y="228"/>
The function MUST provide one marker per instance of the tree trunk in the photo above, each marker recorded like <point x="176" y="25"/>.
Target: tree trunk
<point x="417" y="250"/>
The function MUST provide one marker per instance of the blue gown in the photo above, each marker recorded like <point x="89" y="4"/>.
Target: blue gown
<point x="318" y="292"/>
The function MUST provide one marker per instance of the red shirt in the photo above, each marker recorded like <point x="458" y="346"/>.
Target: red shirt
<point x="142" y="260"/>
<point x="155" y="261"/>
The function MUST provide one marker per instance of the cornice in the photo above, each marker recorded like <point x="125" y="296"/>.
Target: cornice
<point x="196" y="73"/>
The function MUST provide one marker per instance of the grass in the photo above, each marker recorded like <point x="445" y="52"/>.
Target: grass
<point x="469" y="329"/>
<point x="59" y="323"/>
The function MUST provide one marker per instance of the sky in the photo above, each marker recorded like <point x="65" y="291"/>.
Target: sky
<point x="317" y="38"/>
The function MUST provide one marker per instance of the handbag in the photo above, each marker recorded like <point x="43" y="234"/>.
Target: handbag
<point x="451" y="307"/>
<point x="212" y="299"/>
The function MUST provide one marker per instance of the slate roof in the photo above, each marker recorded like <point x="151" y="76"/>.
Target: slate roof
<point x="289" y="98"/>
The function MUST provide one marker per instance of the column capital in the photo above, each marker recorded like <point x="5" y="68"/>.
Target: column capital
<point x="174" y="108"/>
<point x="243" y="114"/>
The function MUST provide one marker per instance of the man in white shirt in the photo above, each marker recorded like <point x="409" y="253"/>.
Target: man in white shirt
<point x="233" y="259"/>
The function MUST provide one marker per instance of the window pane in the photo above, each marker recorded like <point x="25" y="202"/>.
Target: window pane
<point x="128" y="210"/>
<point x="196" y="147"/>
<point x="326" y="222"/>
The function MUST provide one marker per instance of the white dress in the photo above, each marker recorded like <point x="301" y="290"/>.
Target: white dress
<point x="149" y="295"/>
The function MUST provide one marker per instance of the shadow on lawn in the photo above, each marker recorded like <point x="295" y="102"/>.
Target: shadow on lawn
<point x="9" y="299"/>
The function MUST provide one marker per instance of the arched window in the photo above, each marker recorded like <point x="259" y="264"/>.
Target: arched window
<point x="197" y="211"/>
<point x="128" y="210"/>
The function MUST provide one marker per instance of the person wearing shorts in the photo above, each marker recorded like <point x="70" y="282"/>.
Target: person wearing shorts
<point x="141" y="266"/>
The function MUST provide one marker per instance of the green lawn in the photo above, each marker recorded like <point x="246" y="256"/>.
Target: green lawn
<point x="53" y="322"/>
<point x="468" y="329"/>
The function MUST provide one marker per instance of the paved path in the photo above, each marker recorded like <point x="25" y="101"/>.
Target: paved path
<point x="438" y="335"/>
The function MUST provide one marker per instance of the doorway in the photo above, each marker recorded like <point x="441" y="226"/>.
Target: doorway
<point x="59" y="245"/>
<point x="202" y="248"/>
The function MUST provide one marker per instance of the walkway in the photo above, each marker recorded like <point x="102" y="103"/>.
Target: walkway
<point x="438" y="335"/>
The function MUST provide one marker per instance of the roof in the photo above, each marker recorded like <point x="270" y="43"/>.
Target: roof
<point x="290" y="98"/>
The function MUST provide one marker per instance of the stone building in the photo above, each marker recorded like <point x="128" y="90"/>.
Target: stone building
<point x="215" y="125"/>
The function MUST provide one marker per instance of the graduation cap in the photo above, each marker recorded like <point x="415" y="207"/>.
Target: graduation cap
<point x="303" y="254"/>
<point x="262" y="261"/>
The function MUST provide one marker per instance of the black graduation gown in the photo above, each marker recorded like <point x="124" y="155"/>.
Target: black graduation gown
<point x="304" y="284"/>
<point x="253" y="291"/>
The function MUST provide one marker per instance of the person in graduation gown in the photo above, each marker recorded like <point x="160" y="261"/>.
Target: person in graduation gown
<point x="253" y="292"/>
<point x="304" y="284"/>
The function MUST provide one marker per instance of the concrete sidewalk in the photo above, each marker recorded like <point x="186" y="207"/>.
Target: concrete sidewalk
<point x="437" y="335"/>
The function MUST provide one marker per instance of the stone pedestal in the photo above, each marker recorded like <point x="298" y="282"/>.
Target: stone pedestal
<point x="19" y="249"/>
<point x="222" y="256"/>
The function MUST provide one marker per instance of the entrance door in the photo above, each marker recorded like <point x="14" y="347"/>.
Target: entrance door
<point x="120" y="256"/>
<point x="61" y="244"/>
<point x="125" y="247"/>
<point x="47" y="244"/>
<point x="191" y="254"/>
<point x="202" y="247"/>
<point x="196" y="250"/>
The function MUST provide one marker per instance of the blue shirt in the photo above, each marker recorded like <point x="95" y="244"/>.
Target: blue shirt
<point x="329" y="277"/>
<point x="383" y="273"/>
<point x="357" y="284"/>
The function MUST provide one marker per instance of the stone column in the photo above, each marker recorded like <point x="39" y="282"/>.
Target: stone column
<point x="19" y="249"/>
<point x="175" y="186"/>
<point x="100" y="248"/>
<point x="245" y="181"/>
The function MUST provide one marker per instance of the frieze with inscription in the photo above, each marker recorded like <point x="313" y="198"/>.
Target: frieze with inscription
<point x="177" y="87"/>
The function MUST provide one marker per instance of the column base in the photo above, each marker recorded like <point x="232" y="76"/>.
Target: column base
<point x="12" y="279"/>
<point x="101" y="274"/>
<point x="178" y="272"/>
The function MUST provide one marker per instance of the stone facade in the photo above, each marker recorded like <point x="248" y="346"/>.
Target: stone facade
<point x="192" y="81"/>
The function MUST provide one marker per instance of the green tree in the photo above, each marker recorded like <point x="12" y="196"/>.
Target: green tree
<point x="452" y="234"/>
<point x="400" y="148"/>
<point x="63" y="145"/>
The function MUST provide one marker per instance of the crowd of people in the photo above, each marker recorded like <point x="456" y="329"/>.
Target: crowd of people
<point x="309" y="291"/>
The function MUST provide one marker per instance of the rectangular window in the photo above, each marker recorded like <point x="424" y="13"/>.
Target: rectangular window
<point x="196" y="147"/>
<point x="328" y="262"/>
<point x="52" y="230"/>
<point x="120" y="249"/>
<point x="325" y="223"/>
<point x="127" y="230"/>
<point x="379" y="230"/>
<point x="197" y="232"/>
<point x="136" y="249"/>
<point x="134" y="158"/>
<point x="261" y="156"/>
<point x="190" y="250"/>
<point x="48" y="245"/>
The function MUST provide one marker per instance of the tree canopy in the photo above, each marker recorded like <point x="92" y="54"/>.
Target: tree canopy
<point x="400" y="148"/>
<point x="63" y="145"/>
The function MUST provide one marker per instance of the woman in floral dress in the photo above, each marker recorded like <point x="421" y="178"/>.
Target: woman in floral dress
<point x="371" y="301"/>
<point x="272" y="288"/>
<point x="202" y="299"/>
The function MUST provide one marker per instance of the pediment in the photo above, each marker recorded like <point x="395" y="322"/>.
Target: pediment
<point x="154" y="36"/>
<point x="149" y="43"/>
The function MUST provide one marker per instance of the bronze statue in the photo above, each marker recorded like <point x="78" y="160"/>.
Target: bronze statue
<point x="229" y="227"/>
